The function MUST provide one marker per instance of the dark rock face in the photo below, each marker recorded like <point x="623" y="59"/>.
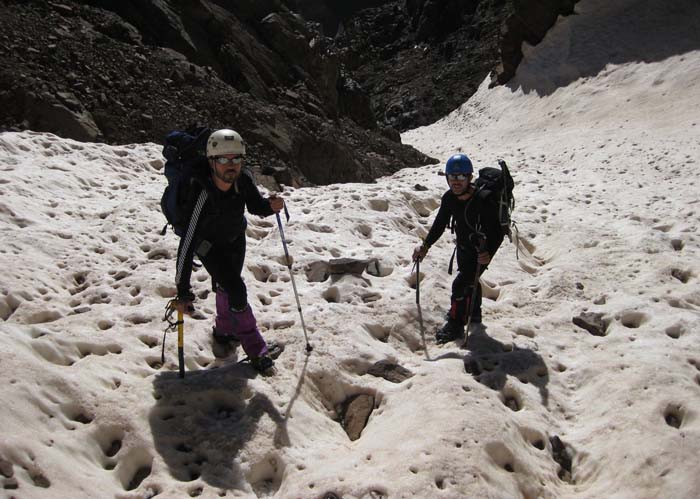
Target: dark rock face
<point x="421" y="59"/>
<point x="120" y="71"/>
<point x="312" y="109"/>
<point x="437" y="52"/>
<point x="529" y="21"/>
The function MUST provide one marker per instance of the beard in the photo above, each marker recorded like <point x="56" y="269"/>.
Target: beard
<point x="229" y="175"/>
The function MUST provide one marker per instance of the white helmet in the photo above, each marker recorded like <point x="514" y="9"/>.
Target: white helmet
<point x="224" y="142"/>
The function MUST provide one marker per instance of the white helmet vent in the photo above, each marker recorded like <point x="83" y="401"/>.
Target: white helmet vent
<point x="223" y="142"/>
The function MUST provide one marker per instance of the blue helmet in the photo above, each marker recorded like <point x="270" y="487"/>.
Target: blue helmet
<point x="459" y="163"/>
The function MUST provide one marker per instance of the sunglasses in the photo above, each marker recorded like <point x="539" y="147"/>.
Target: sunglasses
<point x="457" y="176"/>
<point x="221" y="160"/>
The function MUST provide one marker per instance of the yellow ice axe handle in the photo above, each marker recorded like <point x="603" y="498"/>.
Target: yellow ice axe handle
<point x="181" y="343"/>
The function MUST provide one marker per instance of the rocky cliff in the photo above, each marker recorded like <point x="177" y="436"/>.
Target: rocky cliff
<point x="319" y="89"/>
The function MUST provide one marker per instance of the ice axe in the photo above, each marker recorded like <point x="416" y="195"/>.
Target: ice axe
<point x="180" y="325"/>
<point x="420" y="311"/>
<point x="181" y="343"/>
<point x="416" y="268"/>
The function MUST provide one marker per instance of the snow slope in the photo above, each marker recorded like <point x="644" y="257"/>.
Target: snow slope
<point x="600" y="129"/>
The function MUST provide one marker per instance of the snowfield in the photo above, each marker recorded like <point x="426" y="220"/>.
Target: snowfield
<point x="600" y="129"/>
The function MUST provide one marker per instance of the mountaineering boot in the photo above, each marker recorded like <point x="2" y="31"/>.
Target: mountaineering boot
<point x="274" y="349"/>
<point x="451" y="330"/>
<point x="263" y="364"/>
<point x="223" y="344"/>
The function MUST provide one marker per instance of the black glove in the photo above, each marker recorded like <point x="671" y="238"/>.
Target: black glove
<point x="184" y="296"/>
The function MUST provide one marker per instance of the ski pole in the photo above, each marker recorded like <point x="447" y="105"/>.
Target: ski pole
<point x="181" y="343"/>
<point x="472" y="299"/>
<point x="291" y="274"/>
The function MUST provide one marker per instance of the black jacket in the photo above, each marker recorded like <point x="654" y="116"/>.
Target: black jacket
<point x="475" y="215"/>
<point x="222" y="219"/>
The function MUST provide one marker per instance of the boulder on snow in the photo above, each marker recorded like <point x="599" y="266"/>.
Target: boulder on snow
<point x="593" y="322"/>
<point x="347" y="266"/>
<point x="355" y="414"/>
<point x="317" y="271"/>
<point x="390" y="371"/>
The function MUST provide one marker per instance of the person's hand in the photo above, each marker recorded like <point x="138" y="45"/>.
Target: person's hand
<point x="184" y="305"/>
<point x="419" y="252"/>
<point x="483" y="258"/>
<point x="276" y="203"/>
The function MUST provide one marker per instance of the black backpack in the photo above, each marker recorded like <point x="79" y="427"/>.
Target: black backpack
<point x="185" y="153"/>
<point x="496" y="186"/>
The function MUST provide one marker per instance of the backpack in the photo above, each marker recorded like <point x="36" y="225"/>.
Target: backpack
<point x="494" y="186"/>
<point x="185" y="153"/>
<point x="497" y="186"/>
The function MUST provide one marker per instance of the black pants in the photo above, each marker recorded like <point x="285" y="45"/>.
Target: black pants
<point x="224" y="262"/>
<point x="463" y="287"/>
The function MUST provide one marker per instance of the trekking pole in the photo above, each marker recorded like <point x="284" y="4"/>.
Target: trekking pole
<point x="481" y="248"/>
<point x="291" y="274"/>
<point x="473" y="299"/>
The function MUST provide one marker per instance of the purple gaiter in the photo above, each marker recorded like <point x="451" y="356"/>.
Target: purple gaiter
<point x="240" y="324"/>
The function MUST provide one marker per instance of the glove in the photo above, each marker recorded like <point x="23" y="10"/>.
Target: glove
<point x="184" y="303"/>
<point x="276" y="203"/>
<point x="419" y="252"/>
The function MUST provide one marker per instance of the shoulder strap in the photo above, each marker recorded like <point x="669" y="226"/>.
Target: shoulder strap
<point x="189" y="235"/>
<point x="452" y="260"/>
<point x="471" y="199"/>
<point x="482" y="192"/>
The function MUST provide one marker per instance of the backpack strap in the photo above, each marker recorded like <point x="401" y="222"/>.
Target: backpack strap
<point x="476" y="193"/>
<point x="453" y="223"/>
<point x="452" y="259"/>
<point x="190" y="233"/>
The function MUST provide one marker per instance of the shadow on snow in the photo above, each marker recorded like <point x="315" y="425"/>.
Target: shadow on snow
<point x="201" y="423"/>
